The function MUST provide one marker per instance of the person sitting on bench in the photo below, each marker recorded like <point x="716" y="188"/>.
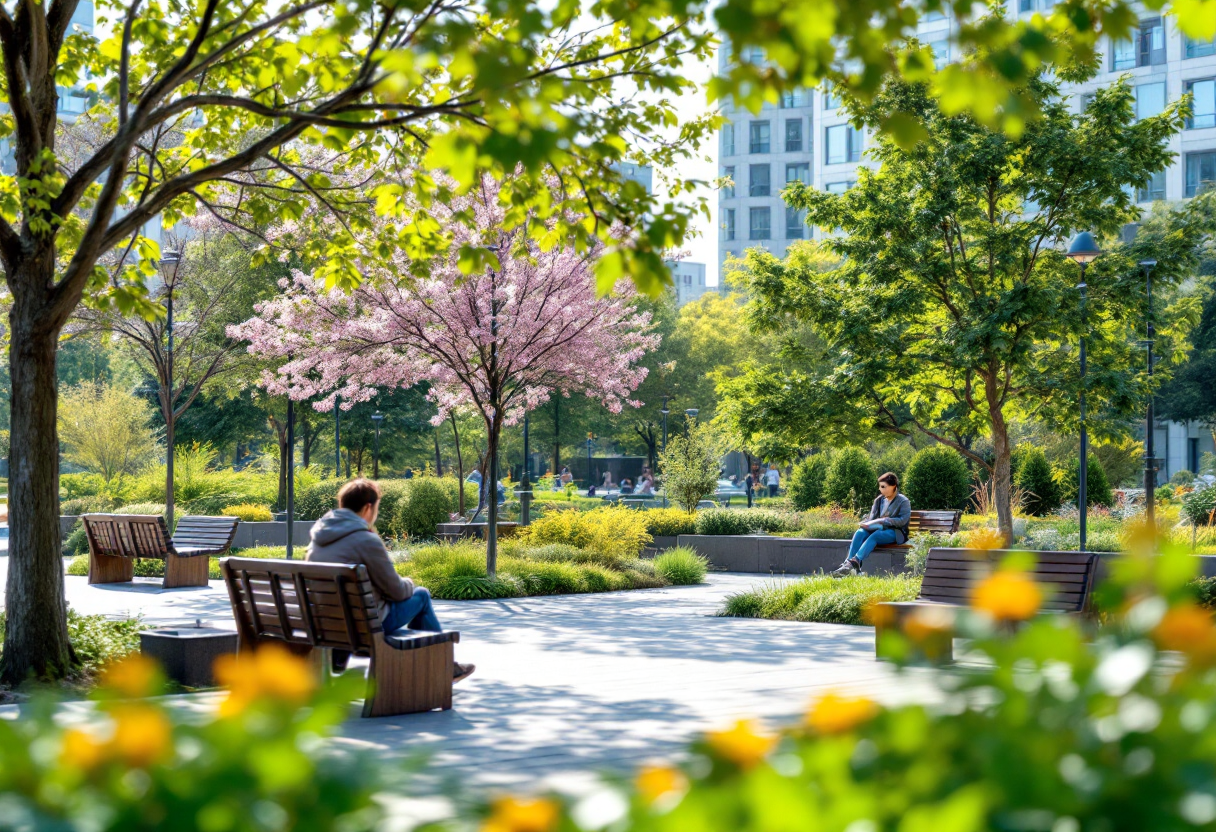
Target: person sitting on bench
<point x="347" y="534"/>
<point x="887" y="523"/>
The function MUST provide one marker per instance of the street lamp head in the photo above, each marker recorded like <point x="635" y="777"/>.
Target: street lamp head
<point x="1148" y="264"/>
<point x="691" y="412"/>
<point x="377" y="417"/>
<point x="1083" y="248"/>
<point x="170" y="261"/>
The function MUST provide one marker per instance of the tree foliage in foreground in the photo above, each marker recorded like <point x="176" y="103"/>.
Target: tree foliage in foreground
<point x="953" y="309"/>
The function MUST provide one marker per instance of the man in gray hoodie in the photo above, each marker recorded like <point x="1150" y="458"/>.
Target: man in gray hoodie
<point x="347" y="534"/>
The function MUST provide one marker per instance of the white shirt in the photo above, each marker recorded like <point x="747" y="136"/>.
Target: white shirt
<point x="772" y="476"/>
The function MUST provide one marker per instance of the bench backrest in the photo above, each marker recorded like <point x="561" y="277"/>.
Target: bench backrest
<point x="1067" y="577"/>
<point x="934" y="522"/>
<point x="294" y="601"/>
<point x="212" y="534"/>
<point x="127" y="535"/>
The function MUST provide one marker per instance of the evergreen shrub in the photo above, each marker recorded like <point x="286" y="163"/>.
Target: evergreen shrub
<point x="850" y="480"/>
<point x="426" y="505"/>
<point x="937" y="479"/>
<point x="806" y="481"/>
<point x="1098" y="491"/>
<point x="1035" y="479"/>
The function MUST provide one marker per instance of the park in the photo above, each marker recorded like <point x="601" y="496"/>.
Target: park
<point x="378" y="453"/>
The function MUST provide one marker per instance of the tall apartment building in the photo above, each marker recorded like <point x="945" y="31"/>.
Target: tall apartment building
<point x="807" y="137"/>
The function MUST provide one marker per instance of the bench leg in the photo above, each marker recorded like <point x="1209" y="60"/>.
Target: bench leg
<point x="110" y="569"/>
<point x="181" y="571"/>
<point x="409" y="681"/>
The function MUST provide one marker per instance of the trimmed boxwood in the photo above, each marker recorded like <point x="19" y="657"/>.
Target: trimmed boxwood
<point x="806" y="482"/>
<point x="851" y="481"/>
<point x="937" y="479"/>
<point x="1042" y="493"/>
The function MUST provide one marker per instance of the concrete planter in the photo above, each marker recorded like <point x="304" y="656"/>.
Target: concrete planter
<point x="765" y="554"/>
<point x="661" y="543"/>
<point x="187" y="654"/>
<point x="454" y="531"/>
<point x="270" y="534"/>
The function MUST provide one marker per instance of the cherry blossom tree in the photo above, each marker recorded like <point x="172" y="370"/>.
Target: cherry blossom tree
<point x="499" y="327"/>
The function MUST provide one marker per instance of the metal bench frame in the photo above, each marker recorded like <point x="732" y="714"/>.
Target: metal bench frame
<point x="116" y="540"/>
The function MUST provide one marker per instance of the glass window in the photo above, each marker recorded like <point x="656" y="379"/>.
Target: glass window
<point x="838" y="187"/>
<point x="1198" y="48"/>
<point x="759" y="180"/>
<point x="843" y="144"/>
<point x="792" y="98"/>
<point x="728" y="221"/>
<point x="1152" y="43"/>
<point x="1086" y="99"/>
<point x="728" y="191"/>
<point x="831" y="101"/>
<point x="795" y="223"/>
<point x="798" y="171"/>
<point x="753" y="55"/>
<point x="941" y="52"/>
<point x="934" y="15"/>
<point x="728" y="140"/>
<point x="1150" y="99"/>
<point x="1025" y="5"/>
<point x="1203" y="107"/>
<point x="1200" y="171"/>
<point x="760" y="224"/>
<point x="1153" y="190"/>
<point x="793" y="135"/>
<point x="759" y="137"/>
<point x="1123" y="55"/>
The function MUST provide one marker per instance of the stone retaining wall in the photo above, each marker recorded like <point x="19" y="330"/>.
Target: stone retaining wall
<point x="766" y="554"/>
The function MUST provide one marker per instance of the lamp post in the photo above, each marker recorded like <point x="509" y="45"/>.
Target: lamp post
<point x="1150" y="464"/>
<point x="291" y="473"/>
<point x="170" y="262"/>
<point x="665" y="411"/>
<point x="590" y="439"/>
<point x="1083" y="250"/>
<point x="377" y="420"/>
<point x="691" y="414"/>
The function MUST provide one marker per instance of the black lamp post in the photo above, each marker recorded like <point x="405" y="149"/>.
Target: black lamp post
<point x="1150" y="464"/>
<point x="525" y="483"/>
<point x="590" y="439"/>
<point x="291" y="473"/>
<point x="1083" y="250"/>
<point x="377" y="420"/>
<point x="170" y="262"/>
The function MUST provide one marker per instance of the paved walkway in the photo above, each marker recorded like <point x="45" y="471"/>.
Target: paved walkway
<point x="570" y="685"/>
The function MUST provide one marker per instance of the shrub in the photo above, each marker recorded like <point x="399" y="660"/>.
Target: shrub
<point x="669" y="522"/>
<point x="312" y="502"/>
<point x="392" y="494"/>
<point x="213" y="504"/>
<point x="722" y="521"/>
<point x="821" y="598"/>
<point x="248" y="512"/>
<point x="77" y="542"/>
<point x="545" y="577"/>
<point x="918" y="556"/>
<point x="681" y="566"/>
<point x="1164" y="492"/>
<point x="1182" y="478"/>
<point x="99" y="504"/>
<point x="826" y="530"/>
<point x="612" y="530"/>
<point x="937" y="478"/>
<point x="690" y="466"/>
<point x="850" y="480"/>
<point x="1035" y="479"/>
<point x="97" y="639"/>
<point x="454" y="571"/>
<point x="806" y="482"/>
<point x="1197" y="507"/>
<point x="81" y="485"/>
<point x="425" y="506"/>
<point x="1098" y="491"/>
<point x="896" y="460"/>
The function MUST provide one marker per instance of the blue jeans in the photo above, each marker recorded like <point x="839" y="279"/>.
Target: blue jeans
<point x="415" y="612"/>
<point x="864" y="542"/>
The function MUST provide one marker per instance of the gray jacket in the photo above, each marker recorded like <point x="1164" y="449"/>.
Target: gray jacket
<point x="897" y="515"/>
<point x="342" y="536"/>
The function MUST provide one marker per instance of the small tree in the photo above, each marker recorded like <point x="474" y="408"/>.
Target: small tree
<point x="806" y="488"/>
<point x="1042" y="493"/>
<point x="106" y="429"/>
<point x="851" y="481"/>
<point x="690" y="466"/>
<point x="1097" y="487"/>
<point x="937" y="478"/>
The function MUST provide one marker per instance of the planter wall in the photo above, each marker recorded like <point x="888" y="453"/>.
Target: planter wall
<point x="661" y="543"/>
<point x="765" y="554"/>
<point x="270" y="534"/>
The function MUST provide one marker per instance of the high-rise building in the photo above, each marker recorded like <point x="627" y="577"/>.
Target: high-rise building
<point x="689" y="281"/>
<point x="807" y="137"/>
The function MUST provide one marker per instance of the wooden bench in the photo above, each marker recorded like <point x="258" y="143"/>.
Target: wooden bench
<point x="951" y="575"/>
<point x="314" y="608"/>
<point x="116" y="540"/>
<point x="928" y="522"/>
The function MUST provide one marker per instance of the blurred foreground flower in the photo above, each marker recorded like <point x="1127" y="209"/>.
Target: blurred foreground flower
<point x="134" y="675"/>
<point x="1008" y="596"/>
<point x="1188" y="628"/>
<point x="656" y="782"/>
<point x="743" y="745"/>
<point x="836" y="714"/>
<point x="138" y="736"/>
<point x="512" y="814"/>
<point x="986" y="539"/>
<point x="270" y="671"/>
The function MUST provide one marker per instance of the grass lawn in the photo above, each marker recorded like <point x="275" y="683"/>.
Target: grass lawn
<point x="820" y="598"/>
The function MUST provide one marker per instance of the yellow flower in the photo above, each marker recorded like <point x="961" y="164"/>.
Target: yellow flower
<point x="985" y="539"/>
<point x="270" y="671"/>
<point x="877" y="615"/>
<point x="1187" y="628"/>
<point x="1008" y="596"/>
<point x="743" y="745"/>
<point x="513" y="814"/>
<point x="133" y="676"/>
<point x="142" y="735"/>
<point x="836" y="714"/>
<point x="81" y="749"/>
<point x="654" y="782"/>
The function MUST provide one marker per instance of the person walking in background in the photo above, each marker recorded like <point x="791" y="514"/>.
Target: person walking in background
<point x="772" y="478"/>
<point x="887" y="523"/>
<point x="646" y="485"/>
<point x="608" y="483"/>
<point x="749" y="487"/>
<point x="567" y="477"/>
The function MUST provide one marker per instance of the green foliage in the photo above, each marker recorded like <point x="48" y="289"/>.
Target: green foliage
<point x="106" y="429"/>
<point x="681" y="566"/>
<point x="723" y="521"/>
<point x="669" y="522"/>
<point x="392" y="494"/>
<point x="895" y="459"/>
<point x="690" y="466"/>
<point x="850" y="481"/>
<point x="248" y="512"/>
<point x="823" y="599"/>
<point x="1164" y="493"/>
<point x="918" y="556"/>
<point x="806" y="481"/>
<point x="1182" y="478"/>
<point x="75" y="544"/>
<point x="97" y="639"/>
<point x="1097" y="489"/>
<point x="85" y="505"/>
<point x="426" y="505"/>
<point x="1197" y="507"/>
<point x="72" y="486"/>
<point x="312" y="502"/>
<point x="611" y="530"/>
<point x="141" y="508"/>
<point x="1036" y="480"/>
<point x="937" y="479"/>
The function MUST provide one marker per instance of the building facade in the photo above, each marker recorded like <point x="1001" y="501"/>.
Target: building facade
<point x="689" y="281"/>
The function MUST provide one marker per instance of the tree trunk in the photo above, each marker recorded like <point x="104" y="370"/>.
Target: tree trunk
<point x="438" y="456"/>
<point x="490" y="481"/>
<point x="280" y="431"/>
<point x="1002" y="476"/>
<point x="459" y="466"/>
<point x="36" y="642"/>
<point x="557" y="437"/>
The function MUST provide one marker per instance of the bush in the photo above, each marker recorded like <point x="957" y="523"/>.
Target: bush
<point x="248" y="512"/>
<point x="392" y="494"/>
<point x="77" y="542"/>
<point x="97" y="639"/>
<point x="312" y="502"/>
<point x="896" y="460"/>
<point x="821" y="598"/>
<point x="690" y="466"/>
<point x="1035" y="479"/>
<point x="669" y="522"/>
<point x="86" y="505"/>
<point x="937" y="478"/>
<point x="722" y="521"/>
<point x="1182" y="478"/>
<point x="1197" y="507"/>
<point x="1164" y="492"/>
<point x="611" y="530"/>
<point x="850" y="480"/>
<point x="81" y="485"/>
<point x="1098" y="491"/>
<point x="806" y="482"/>
<point x="681" y="566"/>
<point x="425" y="506"/>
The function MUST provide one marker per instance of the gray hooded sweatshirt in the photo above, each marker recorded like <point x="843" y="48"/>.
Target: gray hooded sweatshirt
<point x="342" y="536"/>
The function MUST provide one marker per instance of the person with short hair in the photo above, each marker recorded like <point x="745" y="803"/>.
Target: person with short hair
<point x="772" y="478"/>
<point x="887" y="523"/>
<point x="347" y="534"/>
